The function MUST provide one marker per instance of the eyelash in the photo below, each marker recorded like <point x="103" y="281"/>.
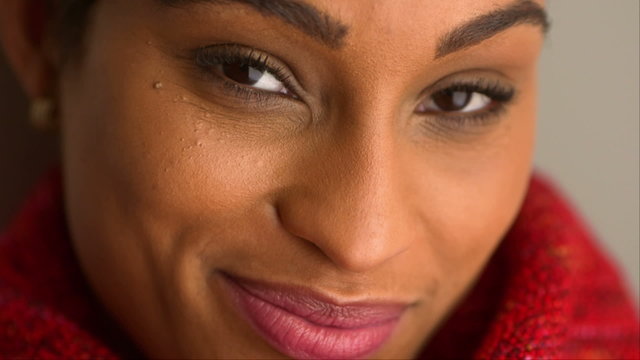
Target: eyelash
<point x="207" y="58"/>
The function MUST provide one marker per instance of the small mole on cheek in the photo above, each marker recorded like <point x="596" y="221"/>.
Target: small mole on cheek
<point x="157" y="85"/>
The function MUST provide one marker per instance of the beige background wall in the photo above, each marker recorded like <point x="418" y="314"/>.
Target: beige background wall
<point x="588" y="119"/>
<point x="588" y="129"/>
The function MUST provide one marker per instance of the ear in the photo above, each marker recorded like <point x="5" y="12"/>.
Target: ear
<point x="25" y="38"/>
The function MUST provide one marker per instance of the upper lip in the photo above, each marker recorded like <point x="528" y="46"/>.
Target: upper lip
<point x="320" y="309"/>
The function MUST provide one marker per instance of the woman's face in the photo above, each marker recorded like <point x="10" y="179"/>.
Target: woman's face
<point x="252" y="179"/>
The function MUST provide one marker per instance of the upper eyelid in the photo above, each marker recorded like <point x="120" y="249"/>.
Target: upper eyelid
<point x="469" y="75"/>
<point x="476" y="86"/>
<point x="471" y="81"/>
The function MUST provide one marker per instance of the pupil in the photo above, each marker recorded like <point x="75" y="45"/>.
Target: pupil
<point x="452" y="100"/>
<point x="242" y="73"/>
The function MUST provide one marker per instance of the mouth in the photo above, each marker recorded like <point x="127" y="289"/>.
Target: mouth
<point x="306" y="325"/>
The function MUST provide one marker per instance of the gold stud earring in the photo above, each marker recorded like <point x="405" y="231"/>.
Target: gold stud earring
<point x="41" y="113"/>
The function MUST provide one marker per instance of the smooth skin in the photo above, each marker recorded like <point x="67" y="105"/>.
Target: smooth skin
<point x="344" y="189"/>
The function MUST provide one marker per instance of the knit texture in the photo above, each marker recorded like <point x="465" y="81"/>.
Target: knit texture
<point x="548" y="292"/>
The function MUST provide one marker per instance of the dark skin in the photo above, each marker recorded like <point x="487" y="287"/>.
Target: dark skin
<point x="351" y="177"/>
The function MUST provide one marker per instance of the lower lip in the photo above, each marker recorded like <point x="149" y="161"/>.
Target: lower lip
<point x="299" y="338"/>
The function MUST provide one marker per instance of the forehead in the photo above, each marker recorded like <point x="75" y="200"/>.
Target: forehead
<point x="406" y="13"/>
<point x="400" y="18"/>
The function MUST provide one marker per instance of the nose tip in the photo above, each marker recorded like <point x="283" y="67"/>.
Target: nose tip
<point x="354" y="240"/>
<point x="365" y="248"/>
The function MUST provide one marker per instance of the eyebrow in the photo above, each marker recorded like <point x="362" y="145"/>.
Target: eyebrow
<point x="306" y="18"/>
<point x="488" y="25"/>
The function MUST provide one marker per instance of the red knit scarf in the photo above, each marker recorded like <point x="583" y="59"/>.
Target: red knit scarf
<point x="547" y="292"/>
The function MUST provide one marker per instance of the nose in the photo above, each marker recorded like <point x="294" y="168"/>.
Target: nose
<point x="350" y="202"/>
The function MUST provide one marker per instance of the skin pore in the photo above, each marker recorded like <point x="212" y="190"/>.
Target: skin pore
<point x="343" y="175"/>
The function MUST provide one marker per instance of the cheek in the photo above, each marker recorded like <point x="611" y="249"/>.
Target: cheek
<point x="157" y="148"/>
<point x="476" y="193"/>
<point x="145" y="171"/>
<point x="152" y="162"/>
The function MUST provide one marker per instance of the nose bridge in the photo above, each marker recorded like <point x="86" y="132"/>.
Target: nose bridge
<point x="350" y="204"/>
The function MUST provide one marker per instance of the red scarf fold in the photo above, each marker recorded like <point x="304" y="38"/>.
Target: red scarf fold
<point x="547" y="292"/>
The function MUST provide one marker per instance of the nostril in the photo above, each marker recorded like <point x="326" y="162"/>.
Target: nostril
<point x="289" y="227"/>
<point x="276" y="213"/>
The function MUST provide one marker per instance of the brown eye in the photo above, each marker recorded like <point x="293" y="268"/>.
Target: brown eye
<point x="241" y="73"/>
<point x="248" y="75"/>
<point x="455" y="101"/>
<point x="452" y="100"/>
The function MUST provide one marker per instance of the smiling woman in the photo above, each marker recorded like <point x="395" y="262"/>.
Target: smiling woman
<point x="288" y="178"/>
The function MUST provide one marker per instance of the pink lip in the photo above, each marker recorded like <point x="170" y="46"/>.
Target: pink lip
<point x="305" y="325"/>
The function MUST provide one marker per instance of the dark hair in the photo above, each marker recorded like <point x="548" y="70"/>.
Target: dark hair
<point x="69" y="23"/>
